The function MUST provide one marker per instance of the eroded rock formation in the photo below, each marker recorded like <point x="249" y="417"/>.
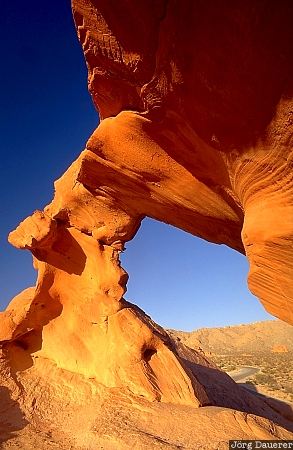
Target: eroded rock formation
<point x="209" y="89"/>
<point x="196" y="131"/>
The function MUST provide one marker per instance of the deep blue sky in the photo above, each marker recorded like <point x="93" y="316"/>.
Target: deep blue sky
<point x="46" y="118"/>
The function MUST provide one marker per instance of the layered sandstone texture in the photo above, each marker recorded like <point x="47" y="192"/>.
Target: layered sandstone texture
<point x="198" y="95"/>
<point x="196" y="131"/>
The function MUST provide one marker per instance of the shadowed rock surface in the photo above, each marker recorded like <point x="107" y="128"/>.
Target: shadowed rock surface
<point x="196" y="131"/>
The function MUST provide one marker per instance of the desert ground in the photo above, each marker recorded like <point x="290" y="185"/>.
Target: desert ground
<point x="266" y="346"/>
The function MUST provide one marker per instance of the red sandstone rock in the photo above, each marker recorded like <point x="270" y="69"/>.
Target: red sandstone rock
<point x="208" y="132"/>
<point x="196" y="128"/>
<point x="279" y="349"/>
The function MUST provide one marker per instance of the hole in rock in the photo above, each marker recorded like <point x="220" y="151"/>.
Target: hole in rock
<point x="21" y="344"/>
<point x="185" y="283"/>
<point x="148" y="353"/>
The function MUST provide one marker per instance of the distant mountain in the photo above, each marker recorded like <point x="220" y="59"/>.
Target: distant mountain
<point x="267" y="336"/>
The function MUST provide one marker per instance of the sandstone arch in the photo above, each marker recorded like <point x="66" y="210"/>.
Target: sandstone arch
<point x="225" y="134"/>
<point x="178" y="142"/>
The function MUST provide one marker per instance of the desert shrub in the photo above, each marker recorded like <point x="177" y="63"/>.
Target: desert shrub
<point x="263" y="378"/>
<point x="231" y="367"/>
<point x="288" y="388"/>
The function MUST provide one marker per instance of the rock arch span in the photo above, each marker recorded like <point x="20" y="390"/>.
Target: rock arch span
<point x="181" y="141"/>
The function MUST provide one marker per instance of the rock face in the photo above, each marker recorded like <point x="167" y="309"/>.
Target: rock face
<point x="279" y="349"/>
<point x="198" y="95"/>
<point x="252" y="338"/>
<point x="195" y="105"/>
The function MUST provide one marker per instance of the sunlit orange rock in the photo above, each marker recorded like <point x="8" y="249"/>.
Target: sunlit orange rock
<point x="195" y="107"/>
<point x="198" y="95"/>
<point x="278" y="348"/>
